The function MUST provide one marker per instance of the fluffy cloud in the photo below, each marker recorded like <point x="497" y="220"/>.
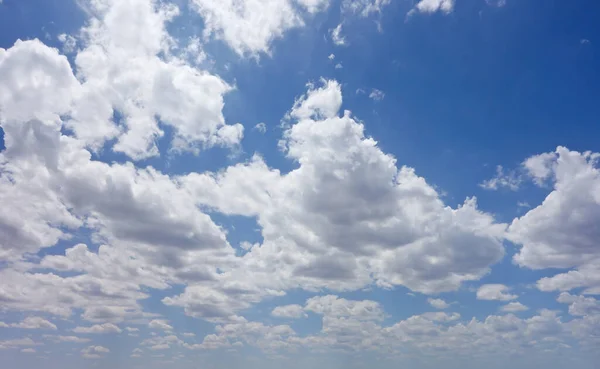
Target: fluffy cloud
<point x="160" y="324"/>
<point x="94" y="352"/>
<point x="438" y="303"/>
<point x="34" y="322"/>
<point x="495" y="292"/>
<point x="562" y="231"/>
<point x="580" y="305"/>
<point x="288" y="311"/>
<point x="99" y="329"/>
<point x="123" y="72"/>
<point x="346" y="216"/>
<point x="250" y="26"/>
<point x="432" y="6"/>
<point x="513" y="307"/>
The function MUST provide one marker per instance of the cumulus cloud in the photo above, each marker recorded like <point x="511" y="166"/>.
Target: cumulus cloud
<point x="250" y="26"/>
<point x="348" y="215"/>
<point x="99" y="329"/>
<point x="513" y="307"/>
<point x="160" y="324"/>
<point x="261" y="127"/>
<point x="438" y="303"/>
<point x="432" y="6"/>
<point x="288" y="311"/>
<point x="34" y="322"/>
<point x="562" y="231"/>
<point x="94" y="352"/>
<point x="498" y="292"/>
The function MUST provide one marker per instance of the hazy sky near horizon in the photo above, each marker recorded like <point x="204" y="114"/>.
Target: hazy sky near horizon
<point x="300" y="183"/>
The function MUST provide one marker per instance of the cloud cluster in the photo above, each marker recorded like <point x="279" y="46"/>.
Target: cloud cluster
<point x="563" y="231"/>
<point x="348" y="216"/>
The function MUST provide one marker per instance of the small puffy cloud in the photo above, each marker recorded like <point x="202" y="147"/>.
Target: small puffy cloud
<point x="99" y="329"/>
<point x="339" y="66"/>
<point x="261" y="127"/>
<point x="131" y="329"/>
<point x="497" y="292"/>
<point x="189" y="334"/>
<point x="160" y="324"/>
<point x="503" y="179"/>
<point x="438" y="303"/>
<point x="336" y="36"/>
<point x="331" y="56"/>
<point x="94" y="352"/>
<point x="432" y="6"/>
<point x="376" y="95"/>
<point x="69" y="42"/>
<point x="514" y="307"/>
<point x="28" y="350"/>
<point x="288" y="311"/>
<point x="35" y="322"/>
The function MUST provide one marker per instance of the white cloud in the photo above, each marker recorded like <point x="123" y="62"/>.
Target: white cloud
<point x="432" y="6"/>
<point x="540" y="166"/>
<point x="69" y="43"/>
<point x="261" y="127"/>
<point x="339" y="66"/>
<point x="28" y="351"/>
<point x="34" y="322"/>
<point x="71" y="339"/>
<point x="498" y="292"/>
<point x="339" y="231"/>
<point x="509" y="179"/>
<point x="580" y="305"/>
<point x="438" y="303"/>
<point x="331" y="56"/>
<point x="513" y="307"/>
<point x="364" y="8"/>
<point x="562" y="231"/>
<point x="288" y="311"/>
<point x="160" y="324"/>
<point x="99" y="329"/>
<point x="131" y="329"/>
<point x="336" y="36"/>
<point x="249" y="27"/>
<point x="377" y="95"/>
<point x="334" y="306"/>
<point x="94" y="352"/>
<point x="128" y="75"/>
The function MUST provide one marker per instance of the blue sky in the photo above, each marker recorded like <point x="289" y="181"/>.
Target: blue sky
<point x="309" y="183"/>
